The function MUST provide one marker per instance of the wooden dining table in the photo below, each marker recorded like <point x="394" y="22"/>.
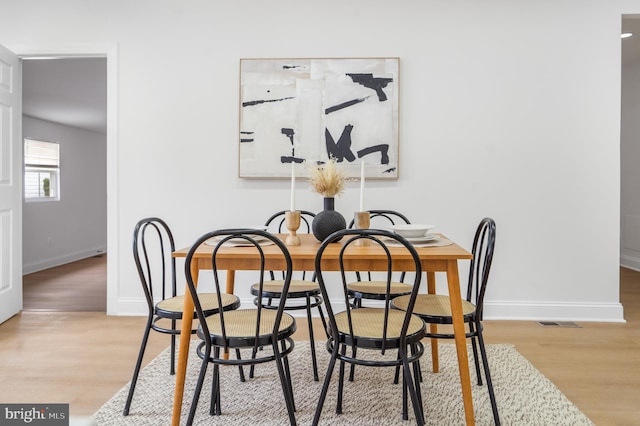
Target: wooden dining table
<point x="366" y="258"/>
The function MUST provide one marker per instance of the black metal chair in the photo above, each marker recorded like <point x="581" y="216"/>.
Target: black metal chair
<point x="395" y="336"/>
<point x="370" y="288"/>
<point x="375" y="289"/>
<point x="303" y="293"/>
<point x="436" y="309"/>
<point x="153" y="245"/>
<point x="248" y="329"/>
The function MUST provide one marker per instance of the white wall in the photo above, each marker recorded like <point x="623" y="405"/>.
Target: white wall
<point x="509" y="109"/>
<point x="75" y="227"/>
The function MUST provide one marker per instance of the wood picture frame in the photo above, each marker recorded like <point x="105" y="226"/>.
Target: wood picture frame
<point x="302" y="111"/>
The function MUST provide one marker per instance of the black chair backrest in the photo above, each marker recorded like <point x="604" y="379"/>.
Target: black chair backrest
<point x="153" y="246"/>
<point x="276" y="223"/>
<point x="377" y="237"/>
<point x="483" y="244"/>
<point x="385" y="217"/>
<point x="253" y="238"/>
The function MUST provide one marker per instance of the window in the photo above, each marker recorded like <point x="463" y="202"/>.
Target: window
<point x="41" y="170"/>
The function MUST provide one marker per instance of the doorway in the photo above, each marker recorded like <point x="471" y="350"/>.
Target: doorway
<point x="65" y="240"/>
<point x="629" y="146"/>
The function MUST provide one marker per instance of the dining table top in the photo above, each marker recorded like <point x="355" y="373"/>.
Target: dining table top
<point x="303" y="255"/>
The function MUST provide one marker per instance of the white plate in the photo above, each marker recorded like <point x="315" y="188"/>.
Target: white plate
<point x="426" y="239"/>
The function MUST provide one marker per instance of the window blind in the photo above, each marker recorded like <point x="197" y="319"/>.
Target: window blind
<point x="41" y="154"/>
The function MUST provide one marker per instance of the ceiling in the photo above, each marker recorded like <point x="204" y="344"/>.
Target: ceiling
<point x="73" y="91"/>
<point x="70" y="91"/>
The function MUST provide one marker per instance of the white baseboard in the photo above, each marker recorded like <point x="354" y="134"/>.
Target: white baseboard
<point x="554" y="311"/>
<point x="630" y="262"/>
<point x="539" y="311"/>
<point x="61" y="260"/>
<point x="130" y="307"/>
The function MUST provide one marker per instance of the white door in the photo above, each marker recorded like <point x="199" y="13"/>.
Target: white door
<point x="10" y="184"/>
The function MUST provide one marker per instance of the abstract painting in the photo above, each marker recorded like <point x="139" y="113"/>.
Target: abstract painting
<point x="307" y="111"/>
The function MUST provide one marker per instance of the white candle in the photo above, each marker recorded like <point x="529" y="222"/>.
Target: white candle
<point x="293" y="185"/>
<point x="362" y="186"/>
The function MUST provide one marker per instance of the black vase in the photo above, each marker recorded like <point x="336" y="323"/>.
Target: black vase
<point x="327" y="221"/>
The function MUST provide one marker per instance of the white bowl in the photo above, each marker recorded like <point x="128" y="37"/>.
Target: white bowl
<point x="411" y="230"/>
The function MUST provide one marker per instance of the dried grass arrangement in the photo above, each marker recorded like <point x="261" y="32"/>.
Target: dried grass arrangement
<point x="327" y="180"/>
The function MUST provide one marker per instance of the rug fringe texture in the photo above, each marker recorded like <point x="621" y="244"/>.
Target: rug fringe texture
<point x="524" y="395"/>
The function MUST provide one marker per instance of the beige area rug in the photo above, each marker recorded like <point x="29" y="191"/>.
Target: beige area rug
<point x="524" y="395"/>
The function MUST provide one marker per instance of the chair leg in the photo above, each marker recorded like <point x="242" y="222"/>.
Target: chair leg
<point x="340" y="388"/>
<point x="324" y="322"/>
<point x="172" y="370"/>
<point x="285" y="383"/>
<point x="396" y="377"/>
<point x="252" y="368"/>
<point x="352" y="368"/>
<point x="198" y="390"/>
<point x="242" y="378"/>
<point x="417" y="373"/>
<point x="287" y="371"/>
<point x="475" y="359"/>
<point x="214" y="407"/>
<point x="325" y="386"/>
<point x="415" y="347"/>
<point x="487" y="373"/>
<point x="417" y="378"/>
<point x="136" y="370"/>
<point x="417" y="404"/>
<point x="405" y="387"/>
<point x="341" y="380"/>
<point x="312" y="341"/>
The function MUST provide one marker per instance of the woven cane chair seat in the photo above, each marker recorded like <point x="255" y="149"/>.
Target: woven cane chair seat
<point x="368" y="288"/>
<point x="241" y="324"/>
<point x="368" y="323"/>
<point x="297" y="289"/>
<point x="433" y="305"/>
<point x="175" y="305"/>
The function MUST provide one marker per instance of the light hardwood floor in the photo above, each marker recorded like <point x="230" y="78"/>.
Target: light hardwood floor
<point x="83" y="358"/>
<point x="75" y="286"/>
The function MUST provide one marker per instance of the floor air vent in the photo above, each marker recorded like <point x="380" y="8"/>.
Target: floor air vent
<point x="568" y="324"/>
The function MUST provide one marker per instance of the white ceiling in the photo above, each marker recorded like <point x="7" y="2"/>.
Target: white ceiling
<point x="70" y="91"/>
<point x="73" y="91"/>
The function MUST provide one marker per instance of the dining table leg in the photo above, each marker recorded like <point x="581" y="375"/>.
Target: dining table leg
<point x="433" y="328"/>
<point x="231" y="279"/>
<point x="453" y="281"/>
<point x="231" y="283"/>
<point x="183" y="351"/>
